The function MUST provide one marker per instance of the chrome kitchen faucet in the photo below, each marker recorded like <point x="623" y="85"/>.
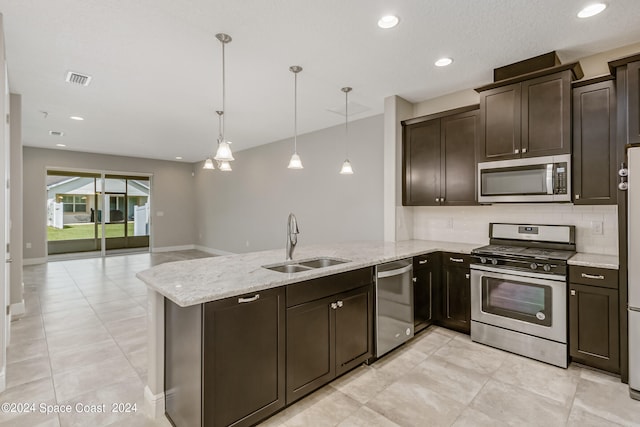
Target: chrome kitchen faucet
<point x="292" y="235"/>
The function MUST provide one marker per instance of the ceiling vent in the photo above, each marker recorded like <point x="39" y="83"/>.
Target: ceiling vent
<point x="56" y="133"/>
<point x="78" y="79"/>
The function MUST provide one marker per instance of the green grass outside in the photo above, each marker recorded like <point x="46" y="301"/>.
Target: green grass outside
<point x="87" y="231"/>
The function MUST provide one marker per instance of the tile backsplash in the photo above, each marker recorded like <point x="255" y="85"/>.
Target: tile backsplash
<point x="596" y="226"/>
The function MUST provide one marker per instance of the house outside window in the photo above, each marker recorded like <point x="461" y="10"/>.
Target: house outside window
<point x="73" y="203"/>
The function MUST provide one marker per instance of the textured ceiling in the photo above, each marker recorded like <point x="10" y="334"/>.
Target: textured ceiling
<point x="156" y="65"/>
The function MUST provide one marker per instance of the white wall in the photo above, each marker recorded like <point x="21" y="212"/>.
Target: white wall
<point x="246" y="210"/>
<point x="172" y="194"/>
<point x="17" y="302"/>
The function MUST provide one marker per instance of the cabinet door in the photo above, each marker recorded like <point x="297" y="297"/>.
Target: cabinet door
<point x="421" y="155"/>
<point x="459" y="134"/>
<point x="594" y="149"/>
<point x="310" y="347"/>
<point x="593" y="327"/>
<point x="546" y="115"/>
<point x="456" y="303"/>
<point x="244" y="359"/>
<point x="633" y="88"/>
<point x="426" y="289"/>
<point x="500" y="123"/>
<point x="354" y="328"/>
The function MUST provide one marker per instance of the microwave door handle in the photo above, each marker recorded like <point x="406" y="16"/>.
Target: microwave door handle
<point x="549" y="178"/>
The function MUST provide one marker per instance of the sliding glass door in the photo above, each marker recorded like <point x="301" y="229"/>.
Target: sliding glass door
<point x="89" y="212"/>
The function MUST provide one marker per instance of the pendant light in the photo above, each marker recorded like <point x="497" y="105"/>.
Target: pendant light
<point x="224" y="166"/>
<point x="346" y="166"/>
<point x="208" y="164"/>
<point x="295" y="162"/>
<point x="223" y="154"/>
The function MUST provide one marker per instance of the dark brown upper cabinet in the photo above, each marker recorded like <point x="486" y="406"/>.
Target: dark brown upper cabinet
<point x="594" y="142"/>
<point x="439" y="158"/>
<point x="527" y="116"/>
<point x="627" y="72"/>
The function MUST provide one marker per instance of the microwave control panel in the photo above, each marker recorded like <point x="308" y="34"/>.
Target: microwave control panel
<point x="560" y="181"/>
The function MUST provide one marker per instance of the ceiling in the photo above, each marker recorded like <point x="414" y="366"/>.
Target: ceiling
<point x="156" y="64"/>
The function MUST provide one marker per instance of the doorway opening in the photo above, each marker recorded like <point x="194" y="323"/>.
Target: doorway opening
<point x="97" y="212"/>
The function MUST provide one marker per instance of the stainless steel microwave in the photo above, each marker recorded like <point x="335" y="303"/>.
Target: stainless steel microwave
<point x="534" y="179"/>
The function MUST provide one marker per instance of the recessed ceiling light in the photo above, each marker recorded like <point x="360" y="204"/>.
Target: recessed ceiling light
<point x="61" y="145"/>
<point x="388" y="21"/>
<point x="178" y="158"/>
<point x="443" y="62"/>
<point x="76" y="118"/>
<point x="591" y="10"/>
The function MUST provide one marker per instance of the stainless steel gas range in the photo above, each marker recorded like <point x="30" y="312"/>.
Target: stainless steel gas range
<point x="519" y="290"/>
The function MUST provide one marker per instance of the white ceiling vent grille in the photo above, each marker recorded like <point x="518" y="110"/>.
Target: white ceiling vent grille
<point x="56" y="133"/>
<point x="78" y="79"/>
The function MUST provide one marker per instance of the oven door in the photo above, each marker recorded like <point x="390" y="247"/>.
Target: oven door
<point x="530" y="303"/>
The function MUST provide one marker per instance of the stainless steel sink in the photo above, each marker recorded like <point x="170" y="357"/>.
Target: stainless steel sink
<point x="288" y="268"/>
<point x="305" y="265"/>
<point x="322" y="262"/>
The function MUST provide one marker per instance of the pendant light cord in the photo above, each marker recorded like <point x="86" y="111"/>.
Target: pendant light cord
<point x="346" y="121"/>
<point x="295" y="112"/>
<point x="223" y="94"/>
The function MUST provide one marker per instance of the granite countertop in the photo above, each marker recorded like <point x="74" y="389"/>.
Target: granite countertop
<point x="610" y="262"/>
<point x="198" y="281"/>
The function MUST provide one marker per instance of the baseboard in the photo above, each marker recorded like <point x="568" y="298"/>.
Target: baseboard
<point x="213" y="251"/>
<point x="154" y="403"/>
<point x="173" y="248"/>
<point x="34" y="261"/>
<point x="17" y="309"/>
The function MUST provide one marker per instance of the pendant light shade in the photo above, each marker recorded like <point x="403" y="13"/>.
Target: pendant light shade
<point x="224" y="166"/>
<point x="224" y="154"/>
<point x="295" y="162"/>
<point x="208" y="164"/>
<point x="346" y="165"/>
<point x="346" y="168"/>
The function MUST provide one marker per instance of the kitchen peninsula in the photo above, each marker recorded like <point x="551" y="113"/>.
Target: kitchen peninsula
<point x="200" y="289"/>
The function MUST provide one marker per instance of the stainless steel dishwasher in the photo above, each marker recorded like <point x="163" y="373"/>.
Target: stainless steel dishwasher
<point x="394" y="304"/>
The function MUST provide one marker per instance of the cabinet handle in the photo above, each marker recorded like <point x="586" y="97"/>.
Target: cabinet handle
<point x="251" y="299"/>
<point x="577" y="196"/>
<point x="334" y="305"/>
<point x="517" y="151"/>
<point x="456" y="259"/>
<point x="415" y="280"/>
<point x="591" y="276"/>
<point x="524" y="150"/>
<point x="424" y="261"/>
<point x="442" y="199"/>
<point x="467" y="276"/>
<point x="437" y="199"/>
<point x="340" y="304"/>
<point x="573" y="292"/>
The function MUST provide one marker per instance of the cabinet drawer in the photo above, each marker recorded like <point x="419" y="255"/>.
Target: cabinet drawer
<point x="421" y="262"/>
<point x="326" y="286"/>
<point x="454" y="259"/>
<point x="594" y="276"/>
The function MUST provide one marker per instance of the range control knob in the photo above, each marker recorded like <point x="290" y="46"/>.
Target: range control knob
<point x="547" y="267"/>
<point x="483" y="260"/>
<point x="494" y="261"/>
<point x="533" y="266"/>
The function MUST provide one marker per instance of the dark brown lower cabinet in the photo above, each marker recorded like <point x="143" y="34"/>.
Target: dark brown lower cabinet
<point x="327" y="337"/>
<point x="456" y="290"/>
<point x="426" y="290"/>
<point x="593" y="326"/>
<point x="225" y="360"/>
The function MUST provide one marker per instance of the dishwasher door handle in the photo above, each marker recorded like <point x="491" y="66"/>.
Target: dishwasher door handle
<point x="396" y="272"/>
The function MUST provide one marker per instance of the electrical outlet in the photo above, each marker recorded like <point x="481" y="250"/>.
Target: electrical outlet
<point x="596" y="228"/>
<point x="28" y="245"/>
<point x="247" y="243"/>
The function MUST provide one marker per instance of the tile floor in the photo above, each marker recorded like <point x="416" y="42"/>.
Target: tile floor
<point x="83" y="339"/>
